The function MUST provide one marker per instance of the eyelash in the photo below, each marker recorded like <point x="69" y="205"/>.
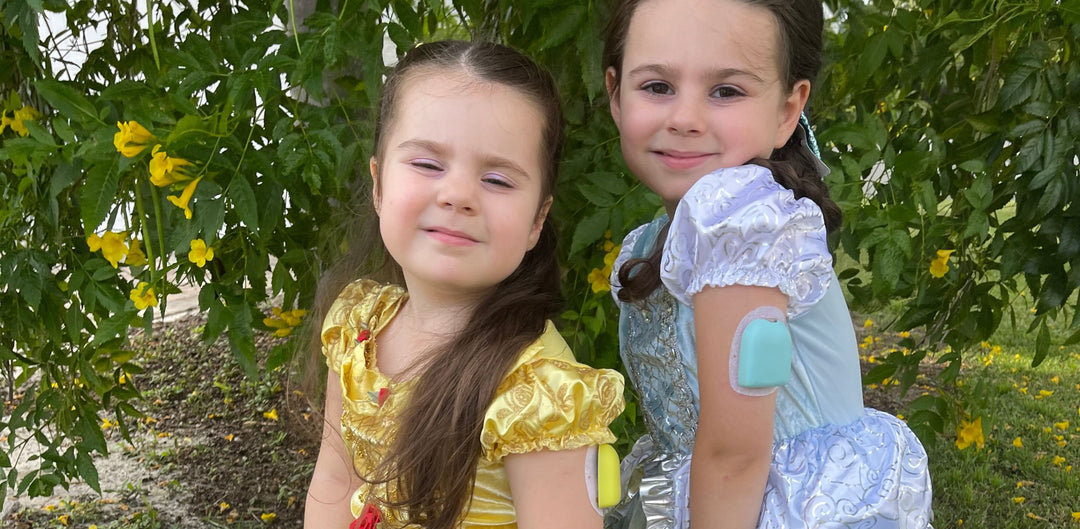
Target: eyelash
<point x="660" y="88"/>
<point x="652" y="86"/>
<point x="501" y="182"/>
<point x="425" y="164"/>
<point x="730" y="91"/>
<point x="429" y="165"/>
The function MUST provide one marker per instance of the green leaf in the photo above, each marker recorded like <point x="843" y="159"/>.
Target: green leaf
<point x="68" y="101"/>
<point x="590" y="230"/>
<point x="243" y="200"/>
<point x="87" y="471"/>
<point x="569" y="20"/>
<point x="1042" y="345"/>
<point x="596" y="196"/>
<point x="1018" y="87"/>
<point x="242" y="339"/>
<point x="980" y="194"/>
<point x="872" y="57"/>
<point x="97" y="195"/>
<point x="113" y="327"/>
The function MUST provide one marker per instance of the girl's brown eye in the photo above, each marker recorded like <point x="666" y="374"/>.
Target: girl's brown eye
<point x="658" y="88"/>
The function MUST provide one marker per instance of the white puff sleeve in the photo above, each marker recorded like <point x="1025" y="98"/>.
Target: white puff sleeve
<point x="739" y="226"/>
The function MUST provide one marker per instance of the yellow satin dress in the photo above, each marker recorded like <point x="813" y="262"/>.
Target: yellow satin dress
<point x="547" y="401"/>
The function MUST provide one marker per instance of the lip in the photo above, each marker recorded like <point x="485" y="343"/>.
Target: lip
<point x="682" y="160"/>
<point x="449" y="236"/>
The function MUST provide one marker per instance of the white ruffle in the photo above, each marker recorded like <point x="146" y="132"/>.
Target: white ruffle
<point x="739" y="226"/>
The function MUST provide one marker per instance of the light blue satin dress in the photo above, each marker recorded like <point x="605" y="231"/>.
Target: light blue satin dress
<point x="835" y="463"/>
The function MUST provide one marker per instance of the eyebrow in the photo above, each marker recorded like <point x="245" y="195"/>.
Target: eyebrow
<point x="489" y="160"/>
<point x="722" y="73"/>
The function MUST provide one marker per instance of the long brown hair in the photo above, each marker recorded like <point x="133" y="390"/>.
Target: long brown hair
<point x="800" y="24"/>
<point x="433" y="459"/>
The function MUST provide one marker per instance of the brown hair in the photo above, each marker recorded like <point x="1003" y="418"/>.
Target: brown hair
<point x="800" y="24"/>
<point x="432" y="461"/>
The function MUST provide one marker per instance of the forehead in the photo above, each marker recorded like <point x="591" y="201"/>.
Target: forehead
<point x="705" y="34"/>
<point x="467" y="115"/>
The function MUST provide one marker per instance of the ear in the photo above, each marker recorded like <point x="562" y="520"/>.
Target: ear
<point x="538" y="224"/>
<point x="790" y="110"/>
<point x="376" y="197"/>
<point x="613" y="95"/>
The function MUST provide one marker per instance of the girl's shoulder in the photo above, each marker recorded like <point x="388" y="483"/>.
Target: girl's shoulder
<point x="739" y="226"/>
<point x="550" y="401"/>
<point x="360" y="311"/>
<point x="364" y="300"/>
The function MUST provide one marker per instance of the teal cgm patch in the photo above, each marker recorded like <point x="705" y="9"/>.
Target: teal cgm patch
<point x="764" y="354"/>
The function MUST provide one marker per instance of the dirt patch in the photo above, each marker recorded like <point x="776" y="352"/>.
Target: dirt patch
<point x="215" y="448"/>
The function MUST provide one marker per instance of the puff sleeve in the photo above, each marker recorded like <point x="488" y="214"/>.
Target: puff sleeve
<point x="739" y="226"/>
<point x="551" y="402"/>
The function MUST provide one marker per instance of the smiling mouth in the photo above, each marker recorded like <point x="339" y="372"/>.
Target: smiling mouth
<point x="449" y="236"/>
<point x="682" y="160"/>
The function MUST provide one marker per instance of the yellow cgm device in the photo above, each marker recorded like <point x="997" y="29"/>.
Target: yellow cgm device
<point x="608" y="487"/>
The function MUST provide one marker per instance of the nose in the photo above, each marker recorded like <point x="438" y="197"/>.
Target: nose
<point x="457" y="190"/>
<point x="687" y="117"/>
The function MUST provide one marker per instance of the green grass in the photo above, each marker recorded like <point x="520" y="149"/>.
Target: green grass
<point x="1000" y="485"/>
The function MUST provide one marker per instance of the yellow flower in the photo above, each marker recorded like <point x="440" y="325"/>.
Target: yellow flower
<point x="283" y="321"/>
<point x="1019" y="499"/>
<point x="63" y="519"/>
<point x="1076" y="516"/>
<point x="1018" y="443"/>
<point x="135" y="255"/>
<point x="223" y="506"/>
<point x="940" y="264"/>
<point x="1055" y="379"/>
<point x="968" y="433"/>
<point x="143" y="296"/>
<point x="868" y="323"/>
<point x="132" y="138"/>
<point x="112" y="245"/>
<point x="598" y="280"/>
<point x="229" y="437"/>
<point x="905" y="334"/>
<point x="1059" y="461"/>
<point x="1063" y="425"/>
<point x="16" y="121"/>
<point x="292" y="317"/>
<point x="1044" y="393"/>
<point x="164" y="170"/>
<point x="267" y="517"/>
<point x="200" y="253"/>
<point x="185" y="197"/>
<point x="272" y="414"/>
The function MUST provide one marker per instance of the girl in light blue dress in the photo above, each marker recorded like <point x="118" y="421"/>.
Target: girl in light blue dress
<point x="708" y="98"/>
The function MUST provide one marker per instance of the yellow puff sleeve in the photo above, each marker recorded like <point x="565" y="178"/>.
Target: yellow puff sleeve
<point x="361" y="304"/>
<point x="550" y="401"/>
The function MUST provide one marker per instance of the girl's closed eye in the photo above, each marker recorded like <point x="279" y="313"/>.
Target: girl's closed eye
<point x="657" y="88"/>
<point x="426" y="164"/>
<point x="498" y="180"/>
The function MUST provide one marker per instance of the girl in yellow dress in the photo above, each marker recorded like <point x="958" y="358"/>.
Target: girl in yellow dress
<point x="451" y="399"/>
